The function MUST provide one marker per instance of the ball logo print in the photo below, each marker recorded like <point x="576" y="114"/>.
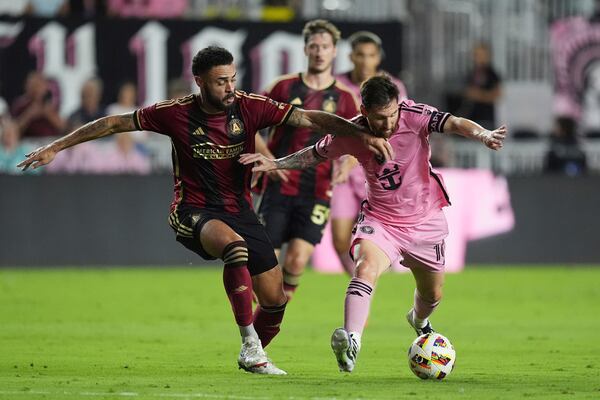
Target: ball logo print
<point x="431" y="356"/>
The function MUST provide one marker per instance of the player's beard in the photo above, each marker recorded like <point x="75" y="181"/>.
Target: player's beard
<point x="314" y="69"/>
<point x="216" y="102"/>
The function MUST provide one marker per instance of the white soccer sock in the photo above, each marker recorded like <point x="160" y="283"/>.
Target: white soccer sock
<point x="419" y="323"/>
<point x="248" y="331"/>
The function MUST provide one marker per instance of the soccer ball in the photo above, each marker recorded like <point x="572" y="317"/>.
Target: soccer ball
<point x="431" y="356"/>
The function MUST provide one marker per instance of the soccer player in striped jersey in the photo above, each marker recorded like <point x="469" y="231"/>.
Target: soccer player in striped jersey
<point x="211" y="213"/>
<point x="295" y="209"/>
<point x="349" y="178"/>
<point x="402" y="219"/>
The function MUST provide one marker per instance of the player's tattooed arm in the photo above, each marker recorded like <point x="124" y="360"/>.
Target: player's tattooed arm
<point x="470" y="129"/>
<point x="305" y="158"/>
<point x="92" y="130"/>
<point x="324" y="122"/>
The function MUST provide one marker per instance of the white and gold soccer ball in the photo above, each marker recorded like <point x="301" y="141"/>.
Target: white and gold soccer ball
<point x="431" y="356"/>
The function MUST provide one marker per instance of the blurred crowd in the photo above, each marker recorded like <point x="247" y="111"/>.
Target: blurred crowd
<point x="33" y="118"/>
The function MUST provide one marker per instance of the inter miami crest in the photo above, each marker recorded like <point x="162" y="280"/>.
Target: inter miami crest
<point x="235" y="127"/>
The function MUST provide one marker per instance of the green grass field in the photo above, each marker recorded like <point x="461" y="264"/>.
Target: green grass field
<point x="169" y="334"/>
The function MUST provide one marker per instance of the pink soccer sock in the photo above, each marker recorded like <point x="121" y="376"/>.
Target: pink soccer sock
<point x="356" y="307"/>
<point x="423" y="308"/>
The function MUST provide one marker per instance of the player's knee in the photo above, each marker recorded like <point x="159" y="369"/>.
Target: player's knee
<point x="235" y="252"/>
<point x="368" y="270"/>
<point x="295" y="262"/>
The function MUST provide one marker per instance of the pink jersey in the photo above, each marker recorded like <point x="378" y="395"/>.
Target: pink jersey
<point x="356" y="179"/>
<point x="405" y="190"/>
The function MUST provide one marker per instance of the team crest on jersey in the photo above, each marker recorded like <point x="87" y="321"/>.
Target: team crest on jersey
<point x="329" y="105"/>
<point x="367" y="229"/>
<point x="235" y="127"/>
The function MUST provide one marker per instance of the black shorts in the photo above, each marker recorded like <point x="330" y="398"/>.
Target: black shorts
<point x="293" y="217"/>
<point x="188" y="222"/>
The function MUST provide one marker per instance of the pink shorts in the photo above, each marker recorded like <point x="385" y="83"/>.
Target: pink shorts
<point x="423" y="243"/>
<point x="348" y="196"/>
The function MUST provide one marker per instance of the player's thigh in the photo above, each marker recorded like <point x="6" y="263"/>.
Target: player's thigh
<point x="308" y="219"/>
<point x="215" y="235"/>
<point x="370" y="259"/>
<point x="268" y="286"/>
<point x="261" y="256"/>
<point x="341" y="231"/>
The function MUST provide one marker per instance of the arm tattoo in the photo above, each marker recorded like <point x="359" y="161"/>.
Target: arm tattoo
<point x="96" y="129"/>
<point x="324" y="122"/>
<point x="304" y="158"/>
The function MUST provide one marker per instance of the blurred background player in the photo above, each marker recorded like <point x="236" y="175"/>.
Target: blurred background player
<point x="295" y="209"/>
<point x="402" y="219"/>
<point x="211" y="212"/>
<point x="349" y="178"/>
<point x="483" y="89"/>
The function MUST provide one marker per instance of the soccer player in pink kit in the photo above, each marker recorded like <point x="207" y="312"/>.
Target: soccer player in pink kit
<point x="402" y="219"/>
<point x="349" y="179"/>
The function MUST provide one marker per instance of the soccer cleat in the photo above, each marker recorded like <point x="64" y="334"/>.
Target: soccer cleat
<point x="345" y="346"/>
<point x="254" y="359"/>
<point x="420" y="331"/>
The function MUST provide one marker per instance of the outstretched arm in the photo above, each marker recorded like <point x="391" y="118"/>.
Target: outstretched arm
<point x="324" y="122"/>
<point x="305" y="158"/>
<point x="92" y="130"/>
<point x="467" y="128"/>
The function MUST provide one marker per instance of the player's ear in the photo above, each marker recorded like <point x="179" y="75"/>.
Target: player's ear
<point x="363" y="110"/>
<point x="198" y="80"/>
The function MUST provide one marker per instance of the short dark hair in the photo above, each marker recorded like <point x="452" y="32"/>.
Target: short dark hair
<point x="361" y="37"/>
<point x="209" y="57"/>
<point x="320" y="26"/>
<point x="378" y="91"/>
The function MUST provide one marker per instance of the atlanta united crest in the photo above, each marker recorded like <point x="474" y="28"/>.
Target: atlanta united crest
<point x="235" y="127"/>
<point x="329" y="105"/>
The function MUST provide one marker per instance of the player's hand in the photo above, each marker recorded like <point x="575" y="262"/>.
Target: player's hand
<point x="494" y="139"/>
<point x="379" y="146"/>
<point x="40" y="156"/>
<point x="261" y="163"/>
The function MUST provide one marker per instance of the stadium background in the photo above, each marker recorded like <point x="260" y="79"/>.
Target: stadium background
<point x="121" y="220"/>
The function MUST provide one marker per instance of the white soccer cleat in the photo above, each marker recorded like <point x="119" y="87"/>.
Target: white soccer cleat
<point x="410" y="317"/>
<point x="345" y="346"/>
<point x="254" y="359"/>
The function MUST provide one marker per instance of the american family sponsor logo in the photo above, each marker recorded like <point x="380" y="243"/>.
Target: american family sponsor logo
<point x="213" y="151"/>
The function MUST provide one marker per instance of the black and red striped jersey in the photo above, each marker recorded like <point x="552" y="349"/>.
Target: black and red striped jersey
<point x="206" y="147"/>
<point x="284" y="140"/>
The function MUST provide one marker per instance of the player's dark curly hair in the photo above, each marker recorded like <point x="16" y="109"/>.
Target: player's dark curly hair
<point x="378" y="91"/>
<point x="208" y="57"/>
